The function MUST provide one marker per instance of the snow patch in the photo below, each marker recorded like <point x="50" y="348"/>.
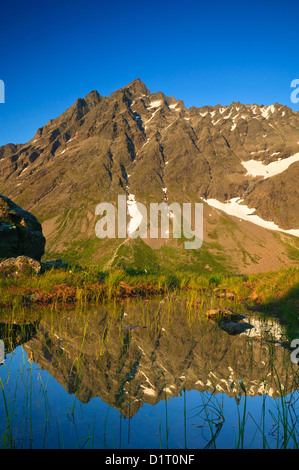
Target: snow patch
<point x="151" y="118"/>
<point x="155" y="104"/>
<point x="235" y="208"/>
<point x="256" y="168"/>
<point x="21" y="174"/>
<point x="265" y="111"/>
<point x="136" y="216"/>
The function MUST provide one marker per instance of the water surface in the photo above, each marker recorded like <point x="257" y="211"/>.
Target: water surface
<point x="146" y="375"/>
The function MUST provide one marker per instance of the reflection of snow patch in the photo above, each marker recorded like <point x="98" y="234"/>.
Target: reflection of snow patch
<point x="148" y="391"/>
<point x="261" y="327"/>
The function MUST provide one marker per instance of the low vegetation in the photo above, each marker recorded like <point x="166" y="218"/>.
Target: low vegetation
<point x="272" y="293"/>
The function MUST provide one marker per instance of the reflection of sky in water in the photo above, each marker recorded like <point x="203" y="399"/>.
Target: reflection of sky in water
<point x="60" y="420"/>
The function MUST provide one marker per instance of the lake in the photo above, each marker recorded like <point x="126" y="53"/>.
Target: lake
<point x="153" y="374"/>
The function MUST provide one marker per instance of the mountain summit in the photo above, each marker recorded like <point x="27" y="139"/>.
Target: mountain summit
<point x="241" y="160"/>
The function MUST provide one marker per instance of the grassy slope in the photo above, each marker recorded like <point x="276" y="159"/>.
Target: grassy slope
<point x="229" y="246"/>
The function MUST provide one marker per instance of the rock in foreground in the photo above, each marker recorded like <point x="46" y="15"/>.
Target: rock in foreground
<point x="21" y="264"/>
<point x="26" y="265"/>
<point x="20" y="232"/>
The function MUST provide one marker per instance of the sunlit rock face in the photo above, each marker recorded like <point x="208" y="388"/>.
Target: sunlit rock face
<point x="241" y="159"/>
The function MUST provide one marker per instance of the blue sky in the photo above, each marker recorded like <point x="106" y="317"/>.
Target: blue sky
<point x="204" y="53"/>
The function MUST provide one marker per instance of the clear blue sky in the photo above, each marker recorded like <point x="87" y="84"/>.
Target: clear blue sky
<point x="204" y="52"/>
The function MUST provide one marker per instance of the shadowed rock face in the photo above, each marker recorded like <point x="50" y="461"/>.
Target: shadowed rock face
<point x="152" y="146"/>
<point x="20" y="232"/>
<point x="130" y="358"/>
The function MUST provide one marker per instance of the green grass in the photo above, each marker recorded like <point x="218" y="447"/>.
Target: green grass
<point x="271" y="293"/>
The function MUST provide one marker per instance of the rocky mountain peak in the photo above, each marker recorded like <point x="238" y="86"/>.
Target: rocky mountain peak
<point x="242" y="159"/>
<point x="92" y="98"/>
<point x="137" y="86"/>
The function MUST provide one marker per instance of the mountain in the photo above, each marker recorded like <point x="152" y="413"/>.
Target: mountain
<point x="241" y="161"/>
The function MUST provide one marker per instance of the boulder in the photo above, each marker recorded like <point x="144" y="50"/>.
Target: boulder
<point x="20" y="232"/>
<point x="20" y="265"/>
<point x="218" y="314"/>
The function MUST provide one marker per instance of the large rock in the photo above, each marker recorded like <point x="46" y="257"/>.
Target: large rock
<point x="20" y="265"/>
<point x="20" y="232"/>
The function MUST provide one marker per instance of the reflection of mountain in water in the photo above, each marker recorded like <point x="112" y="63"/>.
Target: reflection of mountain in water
<point x="14" y="334"/>
<point x="146" y="352"/>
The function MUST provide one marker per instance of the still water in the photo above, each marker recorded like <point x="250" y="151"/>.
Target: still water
<point x="146" y="375"/>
